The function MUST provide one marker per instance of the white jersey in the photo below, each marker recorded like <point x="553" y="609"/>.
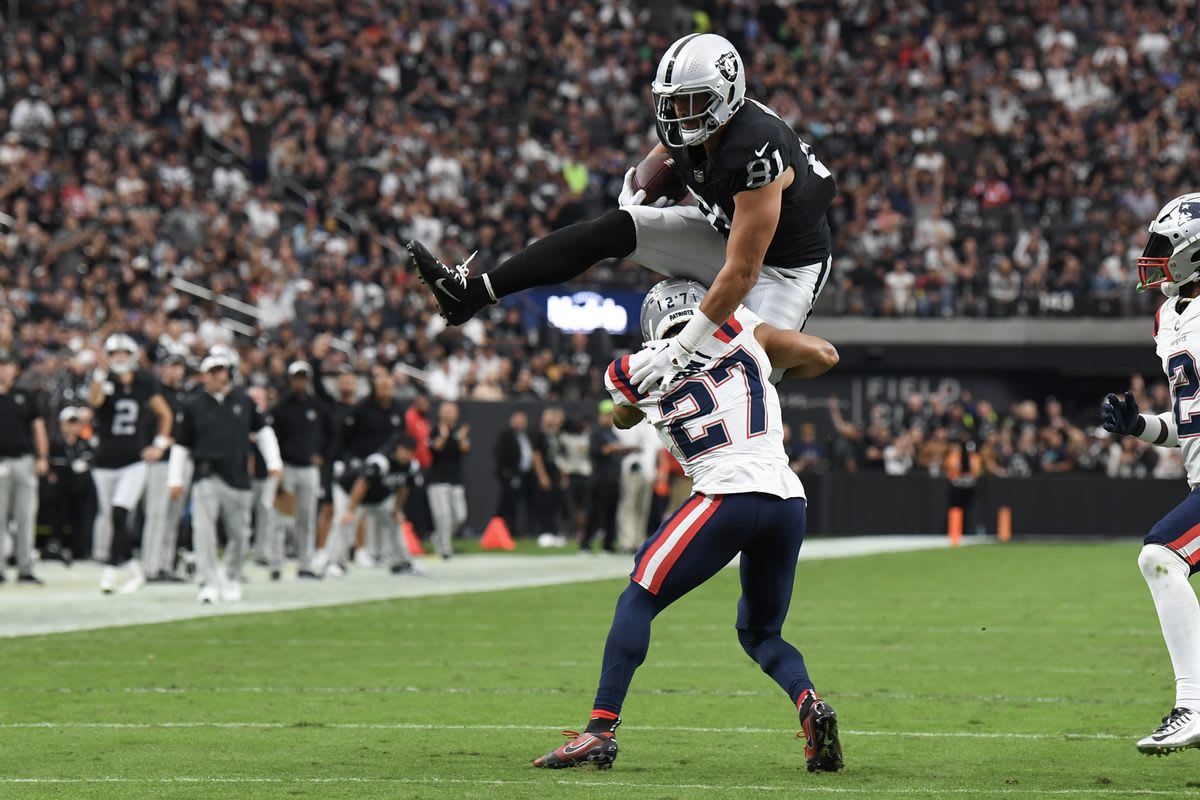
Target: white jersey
<point x="723" y="424"/>
<point x="1177" y="342"/>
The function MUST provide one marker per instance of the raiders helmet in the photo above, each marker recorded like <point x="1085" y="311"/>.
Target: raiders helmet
<point x="700" y="84"/>
<point x="114" y="347"/>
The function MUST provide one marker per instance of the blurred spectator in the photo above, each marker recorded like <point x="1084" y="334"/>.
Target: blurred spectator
<point x="450" y="442"/>
<point x="514" y="470"/>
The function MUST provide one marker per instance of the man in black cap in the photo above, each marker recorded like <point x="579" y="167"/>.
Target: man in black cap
<point x="215" y="433"/>
<point x="304" y="427"/>
<point x="68" y="494"/>
<point x="160" y="532"/>
<point x="24" y="456"/>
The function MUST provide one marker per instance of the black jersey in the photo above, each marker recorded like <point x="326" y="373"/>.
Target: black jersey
<point x="18" y="410"/>
<point x="755" y="148"/>
<point x="218" y="433"/>
<point x="384" y="474"/>
<point x="125" y="425"/>
<point x="176" y="398"/>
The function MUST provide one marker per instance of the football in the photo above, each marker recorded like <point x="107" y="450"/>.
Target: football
<point x="656" y="174"/>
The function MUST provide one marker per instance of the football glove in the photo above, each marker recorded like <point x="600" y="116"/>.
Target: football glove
<point x="1121" y="416"/>
<point x="629" y="197"/>
<point x="659" y="364"/>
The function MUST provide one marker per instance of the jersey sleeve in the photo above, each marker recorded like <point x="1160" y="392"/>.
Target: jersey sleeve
<point x="619" y="384"/>
<point x="758" y="158"/>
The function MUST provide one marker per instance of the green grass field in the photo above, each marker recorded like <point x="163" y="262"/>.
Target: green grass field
<point x="1020" y="670"/>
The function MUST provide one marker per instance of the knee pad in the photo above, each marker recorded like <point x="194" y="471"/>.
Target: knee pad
<point x="1157" y="561"/>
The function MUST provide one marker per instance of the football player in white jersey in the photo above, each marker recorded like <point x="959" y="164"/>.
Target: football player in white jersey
<point x="1171" y="553"/>
<point x="722" y="421"/>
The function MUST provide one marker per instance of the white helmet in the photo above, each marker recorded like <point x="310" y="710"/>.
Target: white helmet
<point x="699" y="85"/>
<point x="121" y="343"/>
<point x="233" y="361"/>
<point x="1172" y="255"/>
<point x="668" y="304"/>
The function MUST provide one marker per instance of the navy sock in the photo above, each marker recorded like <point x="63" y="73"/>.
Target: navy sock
<point x="565" y="254"/>
<point x="626" y="647"/>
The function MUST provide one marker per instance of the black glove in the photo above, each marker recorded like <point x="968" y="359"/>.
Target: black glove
<point x="1121" y="416"/>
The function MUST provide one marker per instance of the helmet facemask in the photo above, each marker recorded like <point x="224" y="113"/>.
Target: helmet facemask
<point x="1155" y="267"/>
<point x="687" y="116"/>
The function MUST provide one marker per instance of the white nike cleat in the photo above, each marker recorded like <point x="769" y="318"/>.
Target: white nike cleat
<point x="335" y="570"/>
<point x="231" y="592"/>
<point x="363" y="559"/>
<point x="1179" y="730"/>
<point x="208" y="595"/>
<point x="137" y="579"/>
<point x="108" y="579"/>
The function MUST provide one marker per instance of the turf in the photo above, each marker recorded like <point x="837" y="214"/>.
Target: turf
<point x="1020" y="670"/>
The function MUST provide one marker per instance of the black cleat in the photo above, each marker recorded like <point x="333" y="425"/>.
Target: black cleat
<point x="822" y="749"/>
<point x="29" y="577"/>
<point x="308" y="573"/>
<point x="448" y="284"/>
<point x="276" y="574"/>
<point x="598" y="749"/>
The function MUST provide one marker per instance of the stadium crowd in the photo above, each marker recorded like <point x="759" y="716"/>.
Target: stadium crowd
<point x="242" y="173"/>
<point x="954" y="435"/>
<point x="204" y="170"/>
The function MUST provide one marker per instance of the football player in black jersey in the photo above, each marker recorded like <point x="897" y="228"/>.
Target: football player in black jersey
<point x="757" y="234"/>
<point x="124" y="398"/>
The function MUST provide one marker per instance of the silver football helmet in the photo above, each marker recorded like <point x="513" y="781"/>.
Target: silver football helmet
<point x="1172" y="255"/>
<point x="669" y="304"/>
<point x="122" y="353"/>
<point x="700" y="84"/>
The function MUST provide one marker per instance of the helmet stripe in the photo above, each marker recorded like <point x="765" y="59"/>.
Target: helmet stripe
<point x="675" y="54"/>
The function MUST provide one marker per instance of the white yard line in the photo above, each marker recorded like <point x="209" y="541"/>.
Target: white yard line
<point x="791" y="788"/>
<point x="437" y="726"/>
<point x="71" y="600"/>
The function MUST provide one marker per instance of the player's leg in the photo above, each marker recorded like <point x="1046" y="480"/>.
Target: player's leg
<point x="307" y="487"/>
<point x="695" y="542"/>
<point x="154" y="526"/>
<point x="24" y="514"/>
<point x="768" y="572"/>
<point x="564" y="254"/>
<point x="171" y="530"/>
<point x="1169" y="556"/>
<point x="105" y="481"/>
<point x="235" y="508"/>
<point x="205" y="510"/>
<point x="441" y="508"/>
<point x="131" y="483"/>
<point x="785" y="297"/>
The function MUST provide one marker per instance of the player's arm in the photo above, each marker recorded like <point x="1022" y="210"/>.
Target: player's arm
<point x="99" y="389"/>
<point x="755" y="218"/>
<point x="357" y="492"/>
<point x="268" y="443"/>
<point x="41" y="445"/>
<point x="162" y="438"/>
<point x="799" y="354"/>
<point x="400" y="499"/>
<point x="1120" y="416"/>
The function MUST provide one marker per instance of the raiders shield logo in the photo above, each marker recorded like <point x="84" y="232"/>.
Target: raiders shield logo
<point x="727" y="65"/>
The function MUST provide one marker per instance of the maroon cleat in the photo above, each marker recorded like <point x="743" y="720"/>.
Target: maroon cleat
<point x="598" y="749"/>
<point x="822" y="749"/>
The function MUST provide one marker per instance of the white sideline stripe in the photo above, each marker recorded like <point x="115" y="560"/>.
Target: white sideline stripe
<point x="729" y="693"/>
<point x="431" y="781"/>
<point x="681" y="529"/>
<point x="434" y="726"/>
<point x="70" y="602"/>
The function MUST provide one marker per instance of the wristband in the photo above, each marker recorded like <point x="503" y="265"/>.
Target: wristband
<point x="100" y="375"/>
<point x="162" y="442"/>
<point x="1152" y="430"/>
<point x="697" y="331"/>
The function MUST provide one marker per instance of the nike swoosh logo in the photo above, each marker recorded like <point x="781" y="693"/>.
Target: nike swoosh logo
<point x="438" y="283"/>
<point x="762" y="150"/>
<point x="578" y="744"/>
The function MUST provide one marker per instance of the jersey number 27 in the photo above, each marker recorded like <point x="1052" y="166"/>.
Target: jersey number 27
<point x="714" y="435"/>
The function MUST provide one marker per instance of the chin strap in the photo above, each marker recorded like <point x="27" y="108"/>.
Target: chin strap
<point x="1171" y="289"/>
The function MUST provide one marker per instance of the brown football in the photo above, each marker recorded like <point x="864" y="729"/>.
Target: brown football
<point x="657" y="175"/>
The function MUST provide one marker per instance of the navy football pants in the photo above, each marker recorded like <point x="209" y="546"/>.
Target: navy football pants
<point x="695" y="543"/>
<point x="1179" y="531"/>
